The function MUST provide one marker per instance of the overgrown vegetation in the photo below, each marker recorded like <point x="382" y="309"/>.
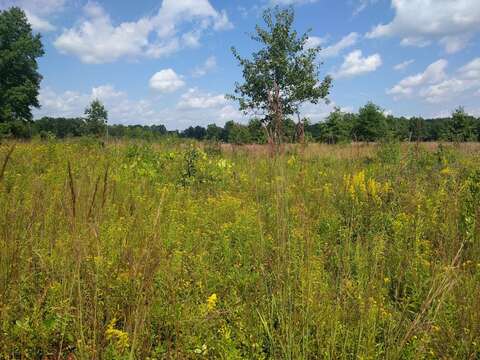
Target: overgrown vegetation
<point x="171" y="249"/>
<point x="137" y="251"/>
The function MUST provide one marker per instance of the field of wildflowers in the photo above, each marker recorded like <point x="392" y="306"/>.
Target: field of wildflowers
<point x="192" y="251"/>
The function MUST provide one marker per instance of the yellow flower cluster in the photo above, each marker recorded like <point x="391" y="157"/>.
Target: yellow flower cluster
<point x="359" y="187"/>
<point x="118" y="337"/>
<point x="212" y="302"/>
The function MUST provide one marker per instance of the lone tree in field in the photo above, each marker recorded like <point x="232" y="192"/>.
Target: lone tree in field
<point x="19" y="76"/>
<point x="281" y="76"/>
<point x="96" y="120"/>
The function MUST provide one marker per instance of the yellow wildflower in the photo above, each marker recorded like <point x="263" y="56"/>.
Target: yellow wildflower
<point x="212" y="302"/>
<point x="118" y="337"/>
<point x="447" y="171"/>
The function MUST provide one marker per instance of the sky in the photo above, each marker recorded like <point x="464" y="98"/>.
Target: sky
<point x="169" y="61"/>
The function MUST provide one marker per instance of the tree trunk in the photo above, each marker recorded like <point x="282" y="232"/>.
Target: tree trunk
<point x="276" y="112"/>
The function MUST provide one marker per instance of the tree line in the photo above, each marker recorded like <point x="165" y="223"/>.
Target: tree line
<point x="369" y="124"/>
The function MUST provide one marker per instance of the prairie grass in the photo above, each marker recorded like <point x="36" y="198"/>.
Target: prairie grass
<point x="188" y="251"/>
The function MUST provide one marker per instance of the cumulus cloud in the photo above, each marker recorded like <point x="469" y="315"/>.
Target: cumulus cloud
<point x="37" y="11"/>
<point x="96" y="39"/>
<point x="319" y="112"/>
<point x="435" y="72"/>
<point x="434" y="85"/>
<point x="335" y="49"/>
<point x="73" y="103"/>
<point x="403" y="65"/>
<point x="194" y="107"/>
<point x="465" y="79"/>
<point x="166" y="81"/>
<point x="206" y="67"/>
<point x="203" y="108"/>
<point x="314" y="41"/>
<point x="418" y="22"/>
<point x="193" y="99"/>
<point x="355" y="64"/>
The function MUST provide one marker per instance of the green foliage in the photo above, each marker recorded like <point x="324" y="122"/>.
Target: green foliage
<point x="463" y="126"/>
<point x="237" y="133"/>
<point x="371" y="124"/>
<point x="96" y="120"/>
<point x="196" y="132"/>
<point x="145" y="132"/>
<point x="214" y="132"/>
<point x="257" y="131"/>
<point x="19" y="76"/>
<point x="60" y="127"/>
<point x="282" y="75"/>
<point x="338" y="127"/>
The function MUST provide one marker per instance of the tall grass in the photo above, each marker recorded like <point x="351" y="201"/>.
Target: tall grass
<point x="181" y="251"/>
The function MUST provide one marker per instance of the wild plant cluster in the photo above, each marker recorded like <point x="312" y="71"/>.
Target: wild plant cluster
<point x="181" y="251"/>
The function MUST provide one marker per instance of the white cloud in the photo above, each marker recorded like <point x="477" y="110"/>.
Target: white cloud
<point x="465" y="79"/>
<point x="38" y="23"/>
<point x="66" y="104"/>
<point x="203" y="108"/>
<point x="193" y="108"/>
<point x="222" y="22"/>
<point x="209" y="65"/>
<point x="452" y="23"/>
<point x="193" y="99"/>
<point x="120" y="108"/>
<point x="435" y="86"/>
<point x="453" y="44"/>
<point x="362" y="5"/>
<point x="106" y="92"/>
<point x="435" y="72"/>
<point x="319" y="112"/>
<point x="355" y="64"/>
<point x="403" y="65"/>
<point x="166" y="81"/>
<point x="37" y="11"/>
<point x="96" y="39"/>
<point x="335" y="49"/>
<point x="415" y="41"/>
<point x="314" y="41"/>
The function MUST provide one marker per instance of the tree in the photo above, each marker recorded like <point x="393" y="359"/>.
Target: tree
<point x="197" y="132"/>
<point x="417" y="128"/>
<point x="237" y="133"/>
<point x="257" y="131"/>
<point x="214" y="132"/>
<point x="60" y="127"/>
<point x="19" y="76"/>
<point x="462" y="126"/>
<point x="371" y="124"/>
<point x="96" y="120"/>
<point x="281" y="76"/>
<point x="337" y="127"/>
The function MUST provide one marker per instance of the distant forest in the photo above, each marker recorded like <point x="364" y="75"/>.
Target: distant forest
<point x="369" y="124"/>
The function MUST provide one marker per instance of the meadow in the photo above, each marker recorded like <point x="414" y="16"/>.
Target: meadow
<point x="179" y="250"/>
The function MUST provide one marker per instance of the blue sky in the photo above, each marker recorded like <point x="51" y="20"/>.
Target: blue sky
<point x="169" y="61"/>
